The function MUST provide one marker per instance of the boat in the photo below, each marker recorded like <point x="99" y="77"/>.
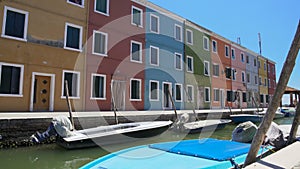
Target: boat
<point x="204" y="125"/>
<point x="278" y="114"/>
<point x="286" y="129"/>
<point x="185" y="154"/>
<point x="288" y="111"/>
<point x="240" y="118"/>
<point x="113" y="134"/>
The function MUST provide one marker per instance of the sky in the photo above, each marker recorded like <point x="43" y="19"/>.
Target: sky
<point x="275" y="20"/>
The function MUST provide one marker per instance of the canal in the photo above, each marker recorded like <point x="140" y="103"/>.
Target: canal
<point x="54" y="157"/>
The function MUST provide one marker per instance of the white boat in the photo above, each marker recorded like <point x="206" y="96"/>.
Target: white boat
<point x="113" y="134"/>
<point x="240" y="118"/>
<point x="278" y="114"/>
<point x="204" y="125"/>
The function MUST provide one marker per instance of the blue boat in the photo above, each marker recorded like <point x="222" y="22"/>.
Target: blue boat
<point x="186" y="154"/>
<point x="288" y="111"/>
<point x="240" y="118"/>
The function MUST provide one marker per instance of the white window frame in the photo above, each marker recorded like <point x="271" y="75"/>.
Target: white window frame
<point x="80" y="38"/>
<point x="269" y="83"/>
<point x="141" y="13"/>
<point x="205" y="42"/>
<point x="233" y="56"/>
<point x="215" y="94"/>
<point x="187" y="93"/>
<point x="63" y="84"/>
<point x="179" y="59"/>
<point x="243" y="75"/>
<point x="158" y="25"/>
<point x="6" y="8"/>
<point x="215" y="50"/>
<point x="157" y="90"/>
<point x="82" y="5"/>
<point x="192" y="37"/>
<point x="140" y="89"/>
<point x="247" y="59"/>
<point x="104" y="86"/>
<point x="192" y="62"/>
<point x="216" y="64"/>
<point x="181" y="92"/>
<point x="156" y="48"/>
<point x="208" y="69"/>
<point x="180" y="27"/>
<point x="228" y="50"/>
<point x="207" y="101"/>
<point x="248" y="77"/>
<point x="107" y="8"/>
<point x="106" y="43"/>
<point x="266" y="81"/>
<point x="140" y="52"/>
<point x="260" y="80"/>
<point x="21" y="79"/>
<point x="233" y="74"/>
<point x="242" y="57"/>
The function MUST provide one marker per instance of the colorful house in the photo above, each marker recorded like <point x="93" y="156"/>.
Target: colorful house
<point x="271" y="79"/>
<point x="198" y="67"/>
<point x="263" y="80"/>
<point x="238" y="66"/>
<point x="41" y="47"/>
<point x="164" y="69"/>
<point x="218" y="78"/>
<point x="253" y="96"/>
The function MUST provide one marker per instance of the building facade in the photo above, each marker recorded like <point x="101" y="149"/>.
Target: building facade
<point x="252" y="79"/>
<point x="263" y="80"/>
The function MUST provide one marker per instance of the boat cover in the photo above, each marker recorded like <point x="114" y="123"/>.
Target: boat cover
<point x="212" y="149"/>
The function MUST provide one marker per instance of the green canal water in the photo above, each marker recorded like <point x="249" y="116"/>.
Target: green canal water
<point x="55" y="157"/>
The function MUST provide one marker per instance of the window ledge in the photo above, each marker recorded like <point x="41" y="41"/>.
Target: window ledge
<point x="14" y="38"/>
<point x="11" y="95"/>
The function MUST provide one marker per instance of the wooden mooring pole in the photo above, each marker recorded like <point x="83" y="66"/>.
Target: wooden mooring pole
<point x="295" y="125"/>
<point x="283" y="80"/>
<point x="69" y="104"/>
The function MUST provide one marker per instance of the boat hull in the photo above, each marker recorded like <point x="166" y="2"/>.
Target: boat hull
<point x="114" y="137"/>
<point x="240" y="118"/>
<point x="204" y="126"/>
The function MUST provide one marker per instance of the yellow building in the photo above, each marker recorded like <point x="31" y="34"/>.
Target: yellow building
<point x="41" y="45"/>
<point x="263" y="80"/>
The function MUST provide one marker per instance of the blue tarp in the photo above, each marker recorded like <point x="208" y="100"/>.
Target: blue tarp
<point x="213" y="149"/>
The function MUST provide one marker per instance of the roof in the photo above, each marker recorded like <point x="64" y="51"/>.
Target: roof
<point x="291" y="90"/>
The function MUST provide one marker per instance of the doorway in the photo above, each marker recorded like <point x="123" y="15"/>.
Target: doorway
<point x="42" y="92"/>
<point x="167" y="89"/>
<point x="118" y="89"/>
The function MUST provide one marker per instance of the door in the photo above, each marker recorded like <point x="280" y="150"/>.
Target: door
<point x="118" y="94"/>
<point x="166" y="95"/>
<point x="200" y="97"/>
<point x="41" y="95"/>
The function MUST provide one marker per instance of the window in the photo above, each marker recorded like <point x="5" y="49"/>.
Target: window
<point x="76" y="2"/>
<point x="190" y="64"/>
<point x="230" y="96"/>
<point x="214" y="46"/>
<point x="255" y="80"/>
<point x="232" y="54"/>
<point x="242" y="58"/>
<point x="137" y="17"/>
<point x="227" y="51"/>
<point x="73" y="37"/>
<point x="136" y="51"/>
<point x="243" y="77"/>
<point x="254" y="62"/>
<point x="268" y="68"/>
<point x="178" y="61"/>
<point x="265" y="66"/>
<point x="178" y="32"/>
<point x="216" y="95"/>
<point x="206" y="68"/>
<point x="190" y="93"/>
<point x="154" y="91"/>
<point x="102" y="7"/>
<point x="154" y="55"/>
<point x="244" y="97"/>
<point x="234" y="74"/>
<point x="11" y="79"/>
<point x="207" y="94"/>
<point x="15" y="24"/>
<point x="178" y="92"/>
<point x="248" y="78"/>
<point x="216" y="70"/>
<point x="100" y="43"/>
<point x="259" y="64"/>
<point x="154" y="23"/>
<point x="135" y="90"/>
<point x="98" y="86"/>
<point x="73" y="83"/>
<point x="189" y="37"/>
<point x="260" y="81"/>
<point x="266" y="81"/>
<point x="269" y="83"/>
<point x="262" y="98"/>
<point x="247" y="59"/>
<point x="228" y="73"/>
<point x="205" y="43"/>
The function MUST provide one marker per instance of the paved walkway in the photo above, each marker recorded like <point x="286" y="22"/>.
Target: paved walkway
<point x="285" y="158"/>
<point x="35" y="115"/>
